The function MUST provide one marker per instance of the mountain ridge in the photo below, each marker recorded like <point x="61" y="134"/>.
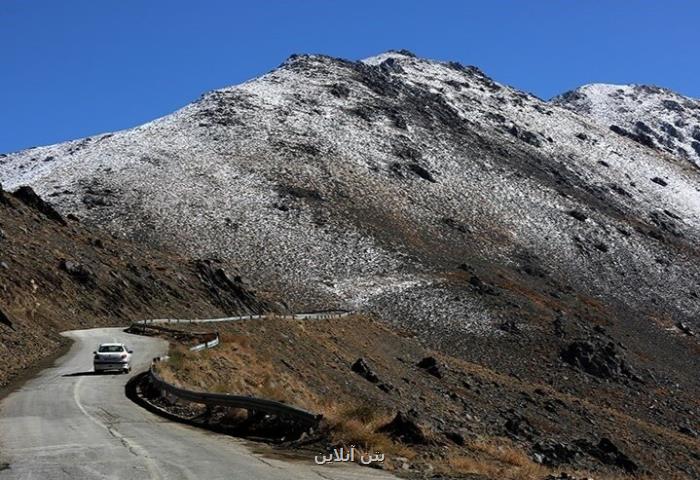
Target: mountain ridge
<point x="375" y="131"/>
<point x="654" y="116"/>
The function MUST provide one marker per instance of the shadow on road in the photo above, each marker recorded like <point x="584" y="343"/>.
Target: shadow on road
<point x="90" y="373"/>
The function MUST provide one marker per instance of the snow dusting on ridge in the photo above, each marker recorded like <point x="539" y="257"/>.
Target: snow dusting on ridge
<point x="365" y="183"/>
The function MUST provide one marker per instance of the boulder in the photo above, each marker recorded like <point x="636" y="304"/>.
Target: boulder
<point x="565" y="476"/>
<point x="456" y="437"/>
<point x="387" y="388"/>
<point x="685" y="328"/>
<point x="361" y="368"/>
<point x="78" y="271"/>
<point x="553" y="453"/>
<point x="580" y="216"/>
<point x="608" y="453"/>
<point x="431" y="366"/>
<point x="510" y="326"/>
<point x="406" y="429"/>
<point x="519" y="426"/>
<point x="597" y="358"/>
<point x="5" y="320"/>
<point x="3" y="198"/>
<point x="685" y="430"/>
<point x="480" y="286"/>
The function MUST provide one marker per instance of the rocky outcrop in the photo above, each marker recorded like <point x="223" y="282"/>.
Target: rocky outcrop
<point x="608" y="453"/>
<point x="406" y="429"/>
<point x="598" y="358"/>
<point x="431" y="366"/>
<point x="5" y="319"/>
<point x="230" y="290"/>
<point x="655" y="117"/>
<point x="361" y="368"/>
<point x="78" y="271"/>
<point x="27" y="196"/>
<point x="55" y="277"/>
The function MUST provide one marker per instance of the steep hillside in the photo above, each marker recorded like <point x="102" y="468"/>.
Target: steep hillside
<point x="655" y="117"/>
<point x="346" y="181"/>
<point x="359" y="374"/>
<point x="56" y="274"/>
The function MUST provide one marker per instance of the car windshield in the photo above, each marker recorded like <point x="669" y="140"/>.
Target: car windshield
<point x="111" y="349"/>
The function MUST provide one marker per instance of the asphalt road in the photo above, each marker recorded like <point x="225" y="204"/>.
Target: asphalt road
<point x="68" y="423"/>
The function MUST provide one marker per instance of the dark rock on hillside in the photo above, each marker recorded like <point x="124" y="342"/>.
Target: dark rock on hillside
<point x="339" y="90"/>
<point x="456" y="437"/>
<point x="5" y="319"/>
<point x="580" y="216"/>
<point x="685" y="328"/>
<point x="431" y="365"/>
<point x="406" y="429"/>
<point x="660" y="181"/>
<point x="525" y="135"/>
<point x="78" y="271"/>
<point x="519" y="426"/>
<point x="27" y="196"/>
<point x="362" y="368"/>
<point x="3" y="198"/>
<point x="510" y="326"/>
<point x="597" y="358"/>
<point x="480" y="286"/>
<point x="638" y="136"/>
<point x="229" y="290"/>
<point x="608" y="453"/>
<point x="565" y="476"/>
<point x="553" y="453"/>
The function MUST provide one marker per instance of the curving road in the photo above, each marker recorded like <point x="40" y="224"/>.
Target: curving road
<point x="70" y="424"/>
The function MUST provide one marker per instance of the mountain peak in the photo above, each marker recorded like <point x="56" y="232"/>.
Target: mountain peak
<point x="656" y="117"/>
<point x="390" y="54"/>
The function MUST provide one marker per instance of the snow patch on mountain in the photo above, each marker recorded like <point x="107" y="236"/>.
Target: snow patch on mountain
<point x="655" y="117"/>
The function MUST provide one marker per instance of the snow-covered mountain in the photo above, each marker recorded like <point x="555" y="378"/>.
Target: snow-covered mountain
<point x="381" y="183"/>
<point x="656" y="117"/>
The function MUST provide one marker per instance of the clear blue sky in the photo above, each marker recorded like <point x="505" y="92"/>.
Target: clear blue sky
<point x="72" y="68"/>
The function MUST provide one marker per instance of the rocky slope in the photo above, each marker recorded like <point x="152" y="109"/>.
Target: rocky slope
<point x="56" y="274"/>
<point x="459" y="418"/>
<point x="655" y="117"/>
<point x="345" y="182"/>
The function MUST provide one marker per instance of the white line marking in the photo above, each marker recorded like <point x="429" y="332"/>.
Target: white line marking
<point x="134" y="448"/>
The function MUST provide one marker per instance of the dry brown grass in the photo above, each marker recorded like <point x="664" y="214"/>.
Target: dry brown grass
<point x="357" y="425"/>
<point x="273" y="389"/>
<point x="499" y="458"/>
<point x="502" y="462"/>
<point x="211" y="370"/>
<point x="250" y="364"/>
<point x="495" y="458"/>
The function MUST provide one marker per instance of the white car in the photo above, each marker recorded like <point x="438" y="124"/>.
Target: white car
<point x="112" y="356"/>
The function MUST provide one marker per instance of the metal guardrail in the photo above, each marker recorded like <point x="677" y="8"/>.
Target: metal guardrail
<point x="225" y="399"/>
<point x="204" y="346"/>
<point x="234" y="401"/>
<point x="295" y="316"/>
